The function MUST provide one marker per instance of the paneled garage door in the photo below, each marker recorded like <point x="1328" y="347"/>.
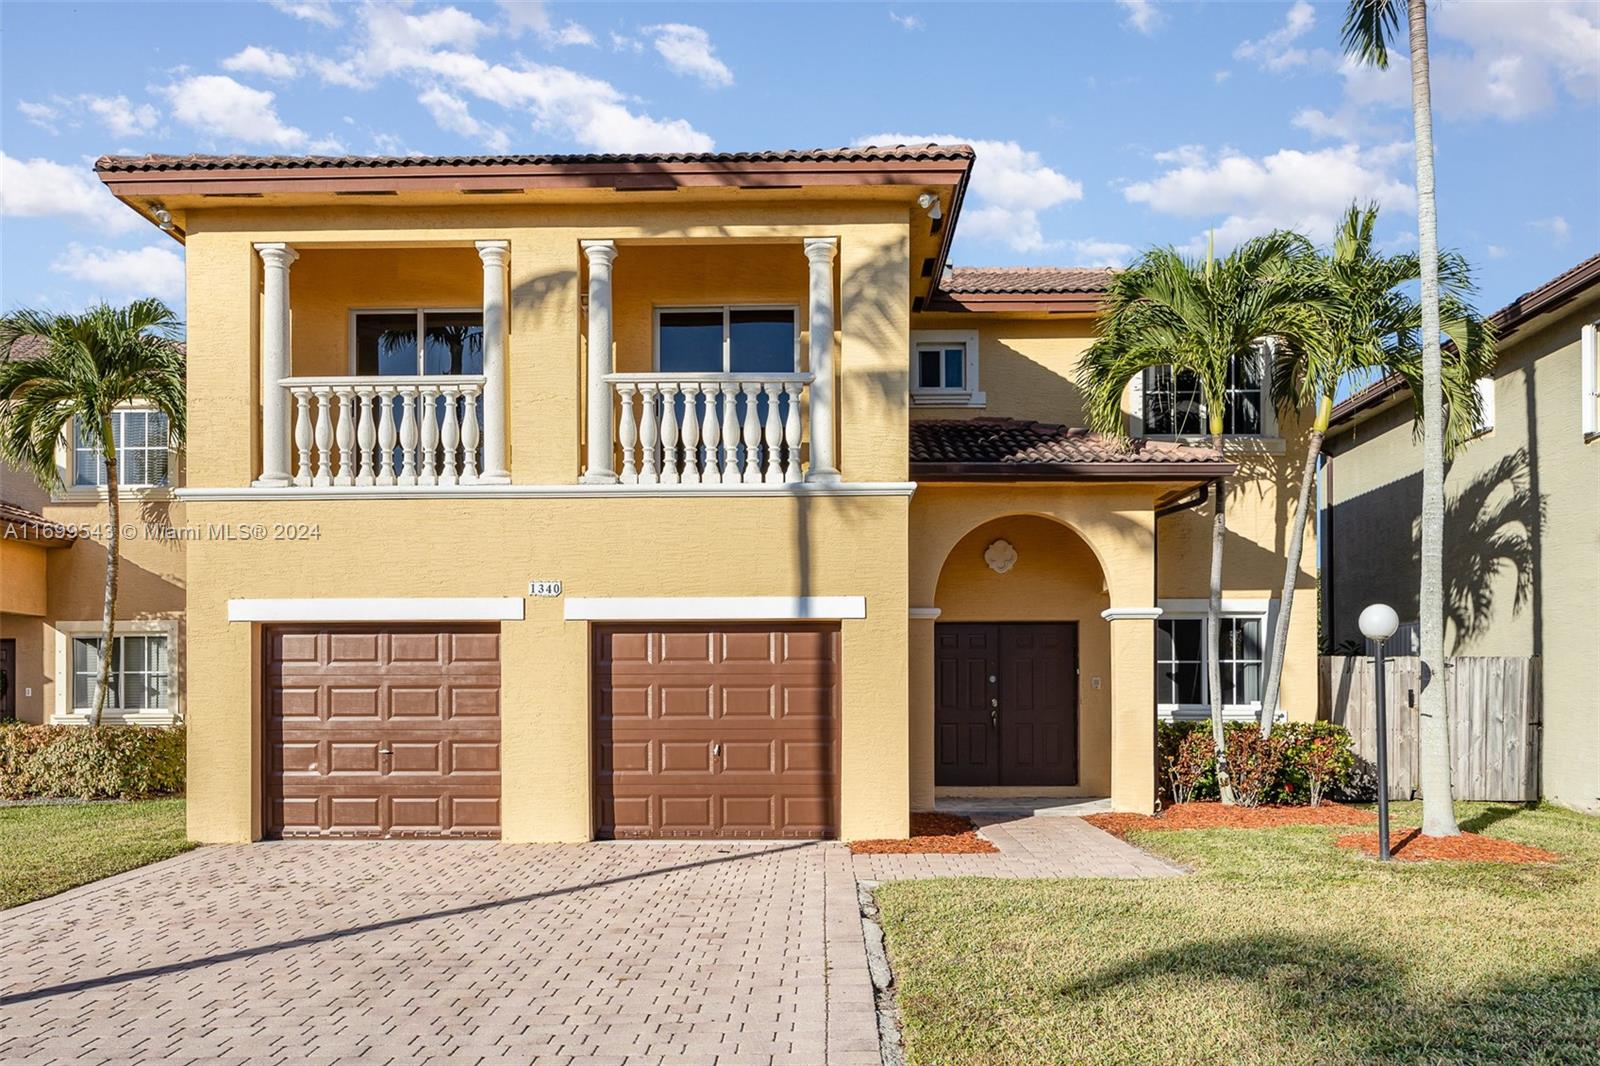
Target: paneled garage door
<point x="716" y="731"/>
<point x="382" y="731"/>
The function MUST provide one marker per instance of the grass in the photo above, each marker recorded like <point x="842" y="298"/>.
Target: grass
<point x="49" y="849"/>
<point x="1279" y="949"/>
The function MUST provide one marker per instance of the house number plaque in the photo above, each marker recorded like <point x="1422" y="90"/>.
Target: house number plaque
<point x="544" y="588"/>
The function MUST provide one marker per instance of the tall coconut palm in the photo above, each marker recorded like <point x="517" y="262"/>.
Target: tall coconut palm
<point x="1369" y="25"/>
<point x="78" y="369"/>
<point x="1370" y="324"/>
<point x="1200" y="318"/>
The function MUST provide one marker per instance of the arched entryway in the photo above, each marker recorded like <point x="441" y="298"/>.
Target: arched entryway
<point x="1021" y="663"/>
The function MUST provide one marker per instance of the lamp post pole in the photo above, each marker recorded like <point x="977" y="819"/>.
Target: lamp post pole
<point x="1383" y="752"/>
<point x="1378" y="623"/>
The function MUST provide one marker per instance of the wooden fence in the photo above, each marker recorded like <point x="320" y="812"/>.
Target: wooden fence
<point x="1493" y="704"/>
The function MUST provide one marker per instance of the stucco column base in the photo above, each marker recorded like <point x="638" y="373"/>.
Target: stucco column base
<point x="272" y="482"/>
<point x="599" y="477"/>
<point x="1133" y="716"/>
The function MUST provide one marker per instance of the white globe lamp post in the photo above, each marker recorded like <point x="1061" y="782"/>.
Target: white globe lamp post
<point x="1378" y="623"/>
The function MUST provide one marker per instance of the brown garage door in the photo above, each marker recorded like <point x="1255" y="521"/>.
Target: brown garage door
<point x="716" y="731"/>
<point x="382" y="731"/>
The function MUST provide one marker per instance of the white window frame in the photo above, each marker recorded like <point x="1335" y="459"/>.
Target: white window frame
<point x="67" y="468"/>
<point x="1269" y="413"/>
<point x="1264" y="611"/>
<point x="727" y="330"/>
<point x="419" y="312"/>
<point x="970" y="394"/>
<point x="68" y="632"/>
<point x="1589" y="352"/>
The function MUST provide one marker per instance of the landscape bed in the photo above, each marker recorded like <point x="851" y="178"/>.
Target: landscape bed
<point x="931" y="834"/>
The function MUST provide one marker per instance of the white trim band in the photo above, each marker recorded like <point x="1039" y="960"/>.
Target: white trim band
<point x="1196" y="606"/>
<point x="929" y="613"/>
<point x="564" y="492"/>
<point x="380" y="609"/>
<point x="712" y="608"/>
<point x="1145" y="614"/>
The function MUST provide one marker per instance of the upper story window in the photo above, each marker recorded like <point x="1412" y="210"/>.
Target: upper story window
<point x="727" y="340"/>
<point x="1589" y="381"/>
<point x="944" y="368"/>
<point x="416" y="341"/>
<point x="1485" y="389"/>
<point x="142" y="440"/>
<point x="1172" y="404"/>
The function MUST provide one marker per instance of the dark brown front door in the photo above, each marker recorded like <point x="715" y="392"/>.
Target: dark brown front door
<point x="716" y="731"/>
<point x="8" y="680"/>
<point x="382" y="731"/>
<point x="1006" y="703"/>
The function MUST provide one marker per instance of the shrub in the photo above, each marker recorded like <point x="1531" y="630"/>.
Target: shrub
<point x="1253" y="763"/>
<point x="1317" y="758"/>
<point x="79" y="762"/>
<point x="1188" y="760"/>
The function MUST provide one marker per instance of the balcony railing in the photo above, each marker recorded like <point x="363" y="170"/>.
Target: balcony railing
<point x="415" y="430"/>
<point x="709" y="429"/>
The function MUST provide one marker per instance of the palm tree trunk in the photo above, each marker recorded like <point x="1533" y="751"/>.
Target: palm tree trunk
<point x="1291" y="567"/>
<point x="1219" y="530"/>
<point x="113" y="551"/>
<point x="1438" y="812"/>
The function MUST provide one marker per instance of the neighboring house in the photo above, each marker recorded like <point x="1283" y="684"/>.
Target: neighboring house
<point x="52" y="582"/>
<point x="553" y="497"/>
<point x="1522" y="506"/>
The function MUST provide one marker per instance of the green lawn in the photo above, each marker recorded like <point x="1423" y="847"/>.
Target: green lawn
<point x="1279" y="949"/>
<point x="49" y="849"/>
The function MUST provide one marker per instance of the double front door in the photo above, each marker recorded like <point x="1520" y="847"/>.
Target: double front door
<point x="1006" y="703"/>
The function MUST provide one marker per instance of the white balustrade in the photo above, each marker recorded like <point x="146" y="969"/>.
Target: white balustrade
<point x="408" y="431"/>
<point x="694" y="429"/>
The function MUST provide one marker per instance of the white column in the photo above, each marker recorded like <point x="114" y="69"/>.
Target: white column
<point x="493" y="254"/>
<point x="600" y="255"/>
<point x="275" y="260"/>
<point x="820" y="252"/>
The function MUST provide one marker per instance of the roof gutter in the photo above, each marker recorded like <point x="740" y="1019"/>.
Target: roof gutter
<point x="1185" y="471"/>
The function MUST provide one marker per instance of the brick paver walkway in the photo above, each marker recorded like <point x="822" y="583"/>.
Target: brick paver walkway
<point x="1039" y="846"/>
<point x="463" y="953"/>
<point x="408" y="952"/>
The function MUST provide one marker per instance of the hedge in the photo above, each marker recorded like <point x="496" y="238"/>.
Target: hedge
<point x="1300" y="763"/>
<point x="79" y="762"/>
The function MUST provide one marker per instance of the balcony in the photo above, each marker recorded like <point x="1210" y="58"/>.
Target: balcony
<point x="416" y="430"/>
<point x="709" y="429"/>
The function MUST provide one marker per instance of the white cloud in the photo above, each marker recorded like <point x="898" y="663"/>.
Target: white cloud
<point x="1555" y="226"/>
<point x="1097" y="253"/>
<point x="524" y="15"/>
<point x="318" y="11"/>
<point x="218" y="106"/>
<point x="688" y="51"/>
<point x="451" y="113"/>
<point x="121" y="117"/>
<point x="1307" y="191"/>
<point x="1187" y="155"/>
<point x="905" y="22"/>
<point x="1495" y="251"/>
<point x="120" y="273"/>
<point x="335" y="72"/>
<point x="267" y="62"/>
<point x="1010" y="187"/>
<point x="621" y="42"/>
<point x="39" y="188"/>
<point x="1221" y="76"/>
<point x="1277" y="51"/>
<point x="1141" y="15"/>
<point x="41" y="115"/>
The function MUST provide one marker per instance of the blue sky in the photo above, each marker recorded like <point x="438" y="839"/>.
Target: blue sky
<point x="1101" y="127"/>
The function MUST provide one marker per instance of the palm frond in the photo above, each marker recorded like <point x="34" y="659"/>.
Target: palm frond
<point x="1369" y="26"/>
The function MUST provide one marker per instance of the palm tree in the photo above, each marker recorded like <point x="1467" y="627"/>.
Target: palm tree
<point x="1200" y="318"/>
<point x="1370" y="324"/>
<point x="1368" y="27"/>
<point x="79" y="368"/>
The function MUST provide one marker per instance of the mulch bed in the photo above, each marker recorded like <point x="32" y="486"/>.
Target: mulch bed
<point x="1217" y="816"/>
<point x="931" y="834"/>
<point x="1409" y="845"/>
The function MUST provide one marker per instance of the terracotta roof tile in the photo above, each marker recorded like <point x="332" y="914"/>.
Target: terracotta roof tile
<point x="1031" y="280"/>
<point x="19" y="523"/>
<point x="1014" y="444"/>
<point x="913" y="153"/>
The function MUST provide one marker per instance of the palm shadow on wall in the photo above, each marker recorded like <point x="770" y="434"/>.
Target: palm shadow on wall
<point x="1490" y="526"/>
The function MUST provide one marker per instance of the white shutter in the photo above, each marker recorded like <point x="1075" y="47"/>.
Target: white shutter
<point x="1485" y="387"/>
<point x="1136" y="404"/>
<point x="1591" y="386"/>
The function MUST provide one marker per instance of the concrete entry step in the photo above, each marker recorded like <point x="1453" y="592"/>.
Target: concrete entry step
<point x="1023" y="806"/>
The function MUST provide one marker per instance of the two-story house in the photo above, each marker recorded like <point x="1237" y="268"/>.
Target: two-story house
<point x="554" y="497"/>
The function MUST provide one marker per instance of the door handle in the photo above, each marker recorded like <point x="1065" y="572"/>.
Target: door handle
<point x="994" y="719"/>
<point x="716" y="750"/>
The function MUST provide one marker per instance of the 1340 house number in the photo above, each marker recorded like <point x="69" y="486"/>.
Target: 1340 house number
<point x="544" y="588"/>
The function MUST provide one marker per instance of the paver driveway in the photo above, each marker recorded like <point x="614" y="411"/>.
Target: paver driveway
<point x="318" y="952"/>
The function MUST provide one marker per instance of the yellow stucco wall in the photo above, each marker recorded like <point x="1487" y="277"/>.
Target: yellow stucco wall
<point x="22" y="577"/>
<point x="604" y="547"/>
